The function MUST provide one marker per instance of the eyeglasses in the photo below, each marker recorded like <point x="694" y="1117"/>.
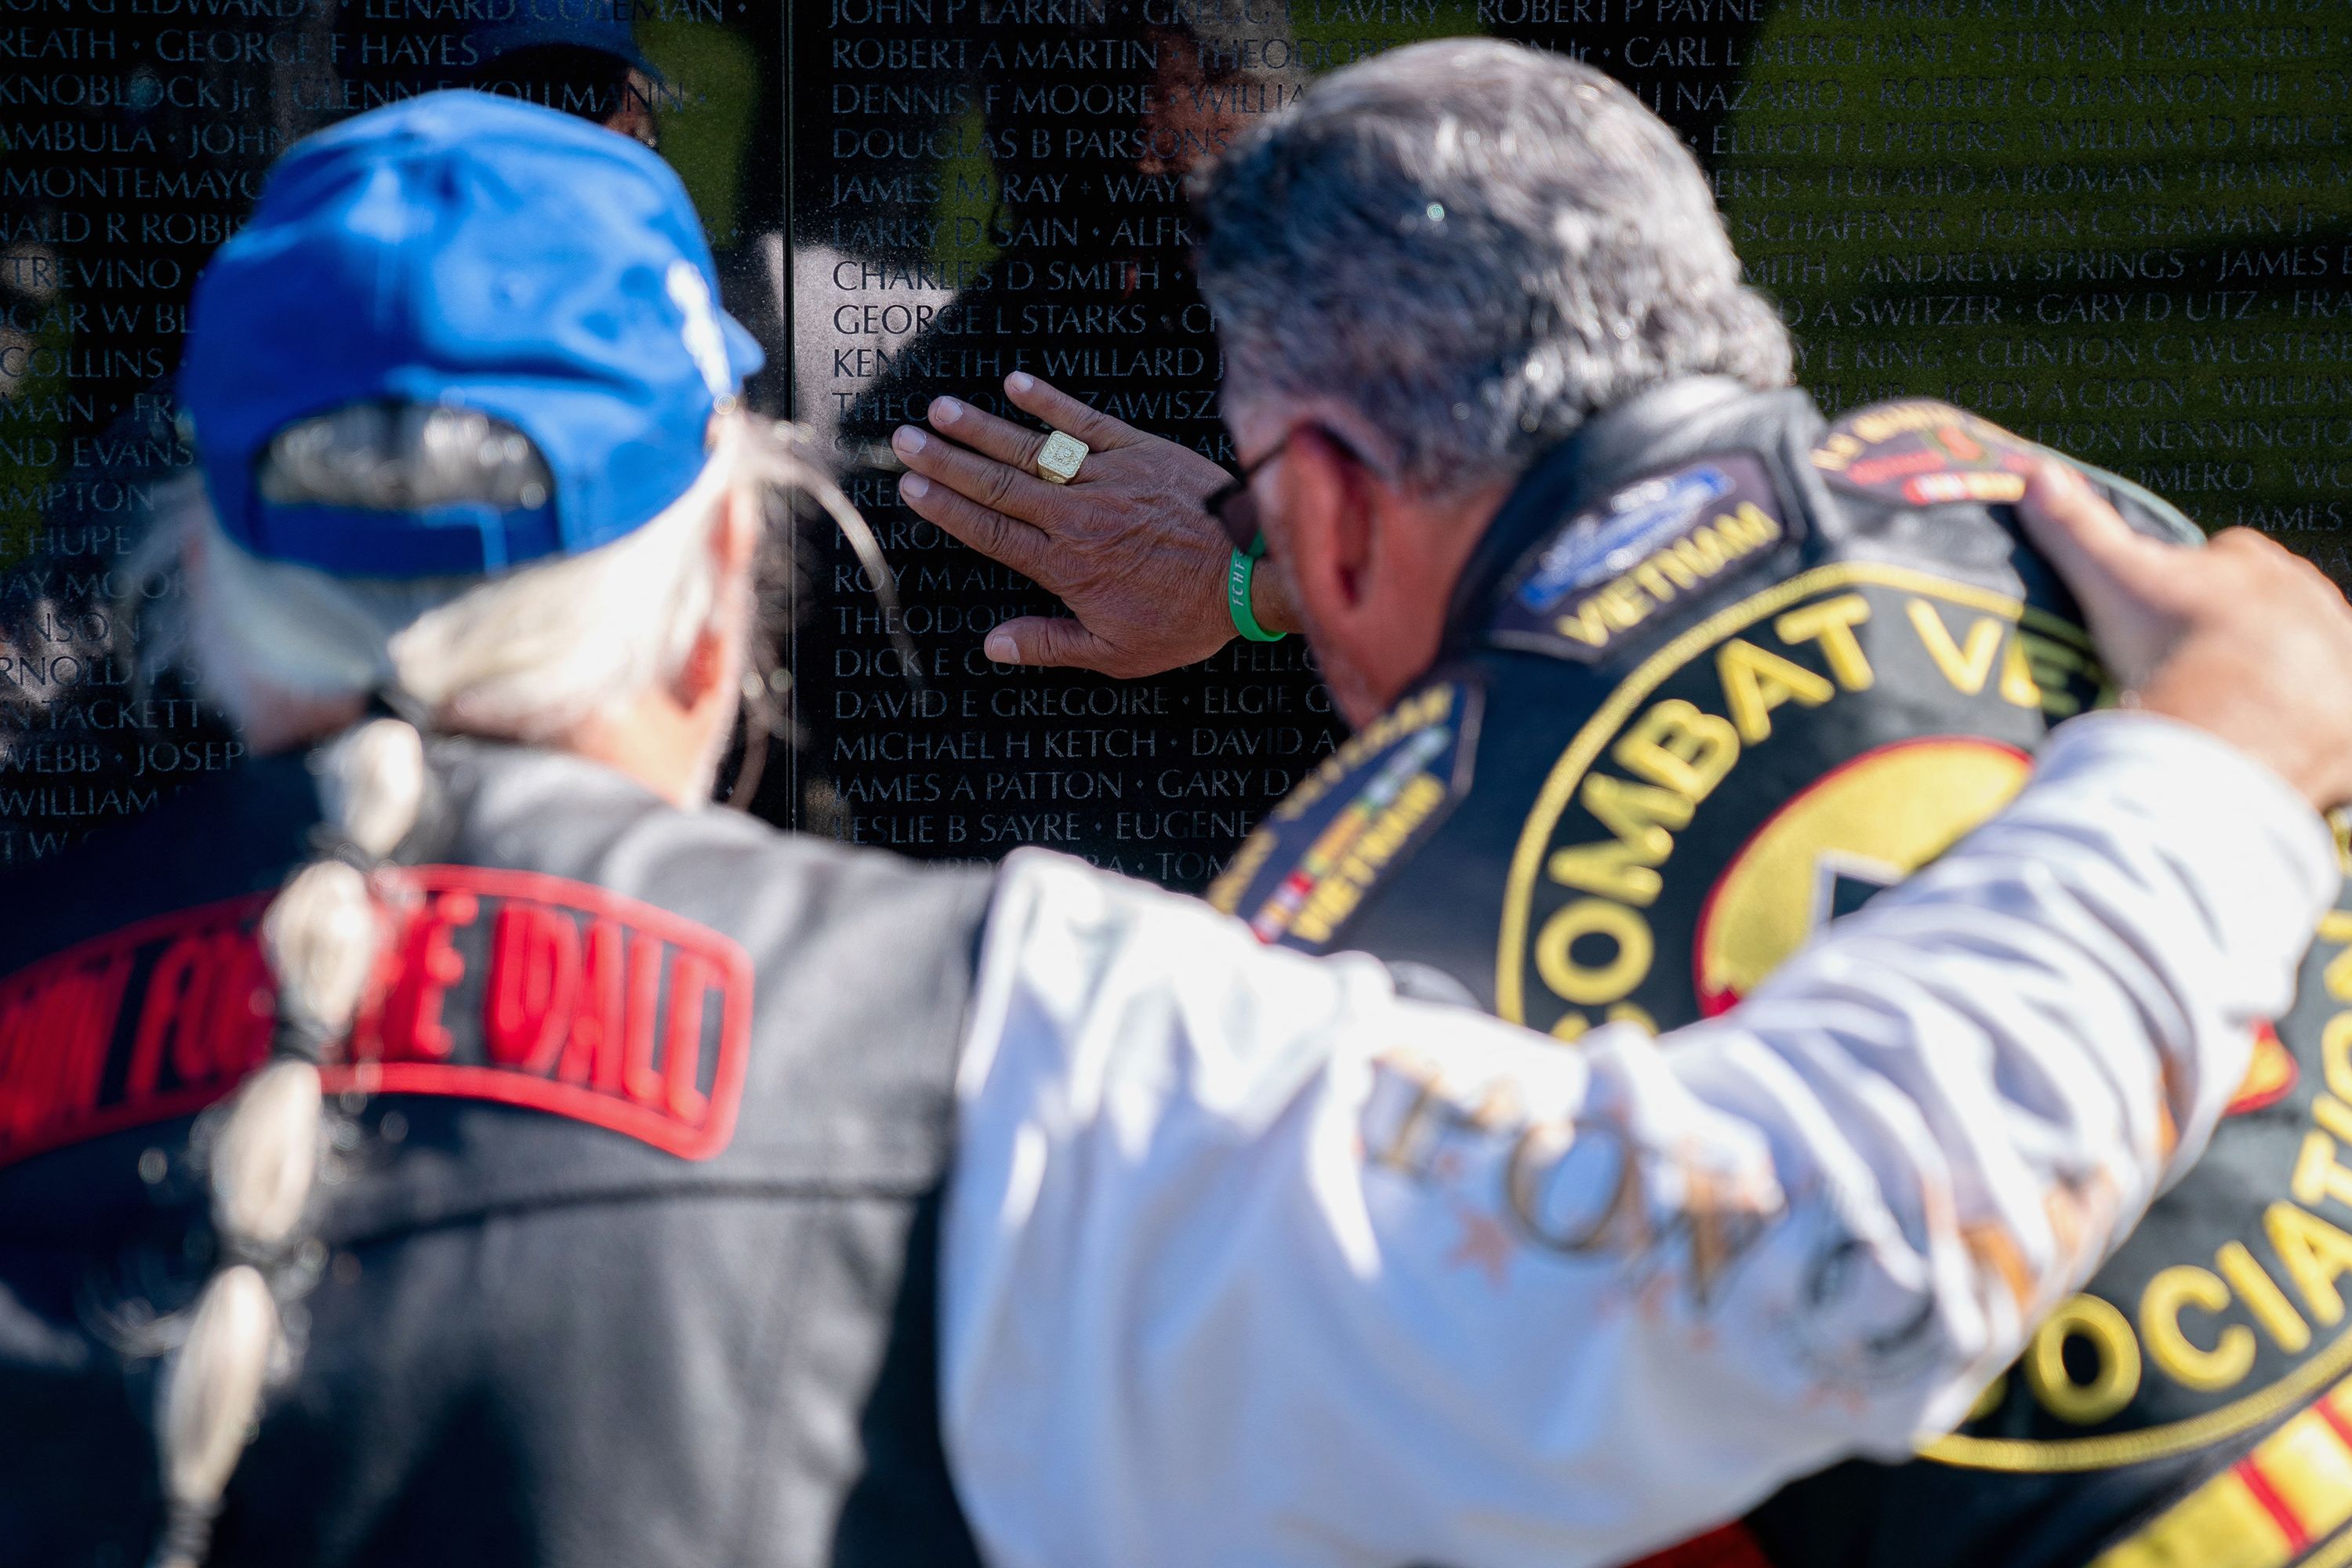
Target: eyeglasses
<point x="1234" y="506"/>
<point x="1235" y="509"/>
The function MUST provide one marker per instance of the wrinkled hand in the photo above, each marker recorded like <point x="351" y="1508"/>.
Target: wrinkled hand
<point x="2244" y="640"/>
<point x="1127" y="545"/>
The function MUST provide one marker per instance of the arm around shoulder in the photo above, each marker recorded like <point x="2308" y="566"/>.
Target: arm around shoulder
<point x="1249" y="1259"/>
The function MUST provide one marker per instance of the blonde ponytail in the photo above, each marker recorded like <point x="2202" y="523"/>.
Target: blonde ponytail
<point x="323" y="937"/>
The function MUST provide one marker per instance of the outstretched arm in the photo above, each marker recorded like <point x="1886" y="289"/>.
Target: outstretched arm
<point x="1248" y="1259"/>
<point x="1125" y="546"/>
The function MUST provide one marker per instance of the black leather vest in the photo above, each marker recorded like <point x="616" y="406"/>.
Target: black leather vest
<point x="627" y="1243"/>
<point x="1717" y="672"/>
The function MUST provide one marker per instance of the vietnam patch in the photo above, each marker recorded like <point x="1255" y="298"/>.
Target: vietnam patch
<point x="1921" y="452"/>
<point x="1312" y="861"/>
<point x="1654" y="542"/>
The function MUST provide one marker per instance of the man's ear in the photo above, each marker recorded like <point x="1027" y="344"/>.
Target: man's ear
<point x="1333" y="531"/>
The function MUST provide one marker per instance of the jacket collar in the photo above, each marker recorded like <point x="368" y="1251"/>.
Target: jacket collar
<point x="1637" y="433"/>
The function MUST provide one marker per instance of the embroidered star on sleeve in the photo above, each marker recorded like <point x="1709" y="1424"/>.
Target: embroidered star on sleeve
<point x="1486" y="1244"/>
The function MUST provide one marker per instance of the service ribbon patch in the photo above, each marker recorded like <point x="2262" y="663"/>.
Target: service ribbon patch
<point x="1921" y="452"/>
<point x="1613" y="567"/>
<point x="1312" y="861"/>
<point x="509" y="986"/>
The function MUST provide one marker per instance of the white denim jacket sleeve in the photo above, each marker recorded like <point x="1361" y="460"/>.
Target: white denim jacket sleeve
<point x="1248" y="1260"/>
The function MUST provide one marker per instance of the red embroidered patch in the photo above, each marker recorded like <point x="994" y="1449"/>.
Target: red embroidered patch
<point x="509" y="986"/>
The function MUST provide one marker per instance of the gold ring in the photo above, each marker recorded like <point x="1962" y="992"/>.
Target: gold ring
<point x="1058" y="458"/>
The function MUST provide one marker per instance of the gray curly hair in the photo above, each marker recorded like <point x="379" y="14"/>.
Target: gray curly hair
<point x="1475" y="246"/>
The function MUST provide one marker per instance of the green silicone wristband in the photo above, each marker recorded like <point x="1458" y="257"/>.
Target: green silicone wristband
<point x="1237" y="599"/>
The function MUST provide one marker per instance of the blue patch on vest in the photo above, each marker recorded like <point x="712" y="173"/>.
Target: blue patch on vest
<point x="1620" y="569"/>
<point x="1631" y="525"/>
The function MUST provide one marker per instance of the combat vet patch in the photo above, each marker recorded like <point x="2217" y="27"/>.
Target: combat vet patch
<point x="1766" y="770"/>
<point x="1311" y="862"/>
<point x="1661" y="539"/>
<point x="1921" y="452"/>
<point x="1778" y="764"/>
<point x="509" y="987"/>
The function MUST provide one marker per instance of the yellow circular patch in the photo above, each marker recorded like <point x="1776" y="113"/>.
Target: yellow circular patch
<point x="1865" y="826"/>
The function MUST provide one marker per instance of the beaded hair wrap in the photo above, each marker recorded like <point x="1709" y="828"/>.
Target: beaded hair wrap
<point x="322" y="938"/>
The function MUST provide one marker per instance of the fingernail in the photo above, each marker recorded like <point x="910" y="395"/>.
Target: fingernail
<point x="914" y="487"/>
<point x="999" y="648"/>
<point x="1020" y="381"/>
<point x="906" y="439"/>
<point x="946" y="410"/>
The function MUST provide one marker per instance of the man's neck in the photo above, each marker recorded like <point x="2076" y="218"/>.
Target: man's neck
<point x="1460" y="525"/>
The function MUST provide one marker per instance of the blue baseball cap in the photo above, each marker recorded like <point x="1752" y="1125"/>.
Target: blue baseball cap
<point x="475" y="252"/>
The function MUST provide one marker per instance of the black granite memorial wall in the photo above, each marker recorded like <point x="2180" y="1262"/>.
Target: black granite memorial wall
<point x="2121" y="227"/>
